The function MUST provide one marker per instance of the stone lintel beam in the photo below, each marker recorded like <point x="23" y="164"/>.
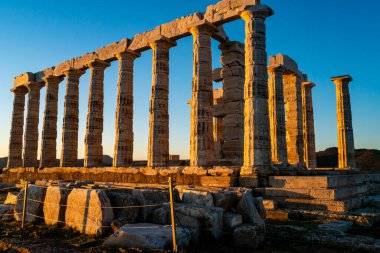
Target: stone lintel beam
<point x="308" y="84"/>
<point x="23" y="79"/>
<point x="342" y="79"/>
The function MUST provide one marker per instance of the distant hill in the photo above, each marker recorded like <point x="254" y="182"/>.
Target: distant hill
<point x="366" y="159"/>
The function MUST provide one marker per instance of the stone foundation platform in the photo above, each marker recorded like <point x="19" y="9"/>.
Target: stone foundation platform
<point x="212" y="177"/>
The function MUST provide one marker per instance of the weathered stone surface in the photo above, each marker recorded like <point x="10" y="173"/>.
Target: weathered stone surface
<point x="55" y="204"/>
<point x="89" y="211"/>
<point x="250" y="212"/>
<point x="147" y="236"/>
<point x="231" y="221"/>
<point x="153" y="197"/>
<point x="34" y="204"/>
<point x="201" y="198"/>
<point x="6" y="212"/>
<point x="336" y="226"/>
<point x="248" y="236"/>
<point x="269" y="204"/>
<point x="11" y="198"/>
<point x="308" y="125"/>
<point x="346" y="146"/>
<point x="122" y="198"/>
<point x="225" y="199"/>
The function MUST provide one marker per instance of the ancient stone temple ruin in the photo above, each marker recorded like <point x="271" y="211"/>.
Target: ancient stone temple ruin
<point x="258" y="126"/>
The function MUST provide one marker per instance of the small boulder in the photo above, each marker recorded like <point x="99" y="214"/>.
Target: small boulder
<point x="147" y="236"/>
<point x="55" y="204"/>
<point x="225" y="199"/>
<point x="196" y="197"/>
<point x="151" y="199"/>
<point x="123" y="206"/>
<point x="231" y="221"/>
<point x="248" y="236"/>
<point x="34" y="205"/>
<point x="248" y="210"/>
<point x="11" y="198"/>
<point x="6" y="212"/>
<point x="269" y="204"/>
<point x="89" y="211"/>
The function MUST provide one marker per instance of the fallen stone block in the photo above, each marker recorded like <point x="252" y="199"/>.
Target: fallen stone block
<point x="231" y="221"/>
<point x="269" y="204"/>
<point x="247" y="208"/>
<point x="147" y="236"/>
<point x="55" y="204"/>
<point x="34" y="204"/>
<point x="11" y="198"/>
<point x="225" y="199"/>
<point x="248" y="236"/>
<point x="89" y="211"/>
<point x="123" y="207"/>
<point x="196" y="197"/>
<point x="151" y="199"/>
<point x="6" y="212"/>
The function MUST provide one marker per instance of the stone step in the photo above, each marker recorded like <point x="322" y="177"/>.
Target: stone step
<point x="325" y="205"/>
<point x="318" y="193"/>
<point x="323" y="182"/>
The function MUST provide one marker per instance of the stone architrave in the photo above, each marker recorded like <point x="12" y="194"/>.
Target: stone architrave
<point x="17" y="128"/>
<point x="346" y="147"/>
<point x="277" y="115"/>
<point x="294" y="121"/>
<point x="232" y="59"/>
<point x="94" y="126"/>
<point x="31" y="127"/>
<point x="49" y="130"/>
<point x="308" y="125"/>
<point x="257" y="155"/>
<point x="201" y="115"/>
<point x="69" y="153"/>
<point x="123" y="149"/>
<point x="158" y="141"/>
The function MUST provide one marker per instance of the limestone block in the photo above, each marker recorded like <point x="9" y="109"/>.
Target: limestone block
<point x="11" y="198"/>
<point x="149" y="197"/>
<point x="248" y="209"/>
<point x="248" y="236"/>
<point x="55" y="204"/>
<point x="179" y="27"/>
<point x="34" y="204"/>
<point x="38" y="77"/>
<point x="141" y="41"/>
<point x="108" y="52"/>
<point x="216" y="75"/>
<point x="89" y="211"/>
<point x="201" y="198"/>
<point x="6" y="212"/>
<point x="123" y="198"/>
<point x="269" y="204"/>
<point x="147" y="236"/>
<point x="231" y="221"/>
<point x="23" y="79"/>
<point x="225" y="199"/>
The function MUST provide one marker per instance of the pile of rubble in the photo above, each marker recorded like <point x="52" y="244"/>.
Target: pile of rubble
<point x="140" y="216"/>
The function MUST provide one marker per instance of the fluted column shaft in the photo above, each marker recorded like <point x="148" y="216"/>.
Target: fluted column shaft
<point x="201" y="121"/>
<point x="49" y="130"/>
<point x="17" y="128"/>
<point x="308" y="125"/>
<point x="277" y="115"/>
<point x="94" y="126"/>
<point x="69" y="153"/>
<point x="31" y="127"/>
<point x="346" y="146"/>
<point x="294" y="121"/>
<point x="158" y="141"/>
<point x="257" y="147"/>
<point x="123" y="149"/>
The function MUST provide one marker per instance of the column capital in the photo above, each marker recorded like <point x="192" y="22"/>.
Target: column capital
<point x="202" y="26"/>
<point x="98" y="64"/>
<point x="345" y="79"/>
<point x="72" y="72"/>
<point x="52" y="79"/>
<point x="162" y="42"/>
<point x="128" y="54"/>
<point x="21" y="89"/>
<point x="35" y="85"/>
<point x="276" y="68"/>
<point x="308" y="84"/>
<point x="260" y="11"/>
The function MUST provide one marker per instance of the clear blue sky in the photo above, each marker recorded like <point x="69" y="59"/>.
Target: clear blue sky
<point x="325" y="37"/>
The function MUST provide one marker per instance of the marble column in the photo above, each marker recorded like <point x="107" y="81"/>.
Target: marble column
<point x="17" y="128"/>
<point x="308" y="125"/>
<point x="31" y="127"/>
<point x="201" y="114"/>
<point x="158" y="141"/>
<point x="93" y="150"/>
<point x="346" y="147"/>
<point x="294" y="120"/>
<point x="49" y="130"/>
<point x="277" y="115"/>
<point x="257" y="147"/>
<point x="123" y="149"/>
<point x="69" y="153"/>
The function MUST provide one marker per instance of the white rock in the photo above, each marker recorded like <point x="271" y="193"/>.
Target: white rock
<point x="89" y="211"/>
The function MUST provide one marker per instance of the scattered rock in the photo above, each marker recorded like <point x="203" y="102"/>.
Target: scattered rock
<point x="55" y="204"/>
<point x="196" y="197"/>
<point x="231" y="221"/>
<point x="11" y="198"/>
<point x="147" y="236"/>
<point x="34" y="204"/>
<point x="151" y="199"/>
<point x="247" y="209"/>
<point x="122" y="202"/>
<point x="338" y="226"/>
<point x="225" y="199"/>
<point x="89" y="211"/>
<point x="6" y="212"/>
<point x="248" y="236"/>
